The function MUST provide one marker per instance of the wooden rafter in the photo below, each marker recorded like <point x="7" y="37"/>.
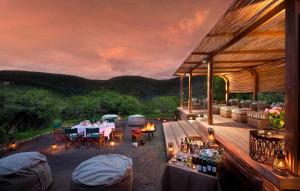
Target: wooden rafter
<point x="281" y="51"/>
<point x="268" y="33"/>
<point x="245" y="31"/>
<point x="250" y="28"/>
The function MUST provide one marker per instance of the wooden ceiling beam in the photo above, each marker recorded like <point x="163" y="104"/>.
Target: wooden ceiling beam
<point x="267" y="33"/>
<point x="279" y="51"/>
<point x="249" y="29"/>
<point x="242" y="61"/>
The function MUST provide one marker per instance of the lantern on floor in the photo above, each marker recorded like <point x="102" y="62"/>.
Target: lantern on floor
<point x="53" y="146"/>
<point x="112" y="143"/>
<point x="13" y="145"/>
<point x="170" y="149"/>
<point x="279" y="164"/>
<point x="211" y="135"/>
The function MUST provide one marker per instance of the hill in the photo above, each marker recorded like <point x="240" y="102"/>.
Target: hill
<point x="72" y="85"/>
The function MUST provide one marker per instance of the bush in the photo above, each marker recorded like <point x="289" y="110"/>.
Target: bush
<point x="28" y="108"/>
<point x="163" y="106"/>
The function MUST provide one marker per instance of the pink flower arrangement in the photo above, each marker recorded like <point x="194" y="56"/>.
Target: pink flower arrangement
<point x="276" y="116"/>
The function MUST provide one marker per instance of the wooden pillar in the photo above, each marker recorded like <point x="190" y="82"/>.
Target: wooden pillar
<point x="227" y="91"/>
<point x="255" y="83"/>
<point x="210" y="77"/>
<point x="254" y="75"/>
<point x="292" y="102"/>
<point x="190" y="93"/>
<point x="181" y="91"/>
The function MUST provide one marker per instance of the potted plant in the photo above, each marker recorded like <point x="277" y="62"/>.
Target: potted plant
<point x="276" y="117"/>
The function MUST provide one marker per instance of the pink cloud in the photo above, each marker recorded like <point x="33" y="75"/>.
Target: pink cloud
<point x="102" y="39"/>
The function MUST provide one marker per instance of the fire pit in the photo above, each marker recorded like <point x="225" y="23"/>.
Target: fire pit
<point x="149" y="128"/>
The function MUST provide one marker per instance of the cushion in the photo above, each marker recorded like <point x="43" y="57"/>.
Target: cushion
<point x="227" y="108"/>
<point x="110" y="117"/>
<point x="103" y="172"/>
<point x="233" y="102"/>
<point x="136" y="120"/>
<point x="258" y="115"/>
<point x="240" y="111"/>
<point x="28" y="170"/>
<point x="245" y="103"/>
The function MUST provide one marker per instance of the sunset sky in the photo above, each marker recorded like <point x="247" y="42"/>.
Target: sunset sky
<point x="100" y="39"/>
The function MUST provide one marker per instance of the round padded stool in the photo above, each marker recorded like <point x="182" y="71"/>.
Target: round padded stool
<point x="25" y="171"/>
<point x="111" y="172"/>
<point x="136" y="120"/>
<point x="110" y="117"/>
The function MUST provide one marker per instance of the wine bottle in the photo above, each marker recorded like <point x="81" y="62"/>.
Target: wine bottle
<point x="204" y="166"/>
<point x="209" y="167"/>
<point x="214" y="168"/>
<point x="200" y="164"/>
<point x="182" y="145"/>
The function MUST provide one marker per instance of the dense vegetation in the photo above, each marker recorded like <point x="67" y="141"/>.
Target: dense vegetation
<point x="27" y="108"/>
<point x="30" y="101"/>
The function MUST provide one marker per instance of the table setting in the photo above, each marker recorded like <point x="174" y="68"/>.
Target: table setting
<point x="104" y="127"/>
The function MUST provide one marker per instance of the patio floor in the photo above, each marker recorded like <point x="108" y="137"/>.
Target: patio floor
<point x="148" y="161"/>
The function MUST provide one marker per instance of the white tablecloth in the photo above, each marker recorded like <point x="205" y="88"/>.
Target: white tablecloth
<point x="105" y="128"/>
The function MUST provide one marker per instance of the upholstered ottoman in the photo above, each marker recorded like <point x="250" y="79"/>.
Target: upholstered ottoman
<point x="258" y="119"/>
<point x="136" y="120"/>
<point x="110" y="117"/>
<point x="240" y="114"/>
<point x="225" y="111"/>
<point x="216" y="108"/>
<point x="111" y="172"/>
<point x="25" y="171"/>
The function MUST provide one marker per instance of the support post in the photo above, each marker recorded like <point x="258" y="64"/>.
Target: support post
<point x="181" y="91"/>
<point x="210" y="91"/>
<point x="190" y="93"/>
<point x="292" y="102"/>
<point x="254" y="75"/>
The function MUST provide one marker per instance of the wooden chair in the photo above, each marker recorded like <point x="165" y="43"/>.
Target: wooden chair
<point x="57" y="129"/>
<point x="136" y="135"/>
<point x="93" y="136"/>
<point x="71" y="136"/>
<point x="118" y="133"/>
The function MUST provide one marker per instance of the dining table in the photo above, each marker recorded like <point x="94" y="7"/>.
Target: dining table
<point x="105" y="127"/>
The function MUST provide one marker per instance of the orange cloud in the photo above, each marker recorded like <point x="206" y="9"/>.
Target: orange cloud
<point x="103" y="39"/>
<point x="186" y="26"/>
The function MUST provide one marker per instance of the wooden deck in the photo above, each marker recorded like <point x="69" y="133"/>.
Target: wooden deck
<point x="234" y="137"/>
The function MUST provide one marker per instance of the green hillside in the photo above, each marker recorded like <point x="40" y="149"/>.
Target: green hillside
<point x="141" y="87"/>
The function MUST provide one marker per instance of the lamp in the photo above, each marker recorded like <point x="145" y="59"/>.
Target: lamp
<point x="170" y="149"/>
<point x="13" y="145"/>
<point x="112" y="143"/>
<point x="53" y="146"/>
<point x="211" y="135"/>
<point x="279" y="164"/>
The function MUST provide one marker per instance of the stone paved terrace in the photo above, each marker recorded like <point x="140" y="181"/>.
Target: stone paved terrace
<point x="148" y="160"/>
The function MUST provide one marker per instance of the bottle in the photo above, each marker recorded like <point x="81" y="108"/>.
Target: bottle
<point x="214" y="168"/>
<point x="204" y="166"/>
<point x="191" y="148"/>
<point x="200" y="164"/>
<point x="182" y="145"/>
<point x="209" y="171"/>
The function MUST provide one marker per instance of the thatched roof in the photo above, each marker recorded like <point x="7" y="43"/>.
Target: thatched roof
<point x="249" y="35"/>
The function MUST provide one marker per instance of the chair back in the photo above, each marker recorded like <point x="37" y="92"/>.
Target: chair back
<point x="92" y="130"/>
<point x="57" y="124"/>
<point x="70" y="131"/>
<point x="110" y="120"/>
